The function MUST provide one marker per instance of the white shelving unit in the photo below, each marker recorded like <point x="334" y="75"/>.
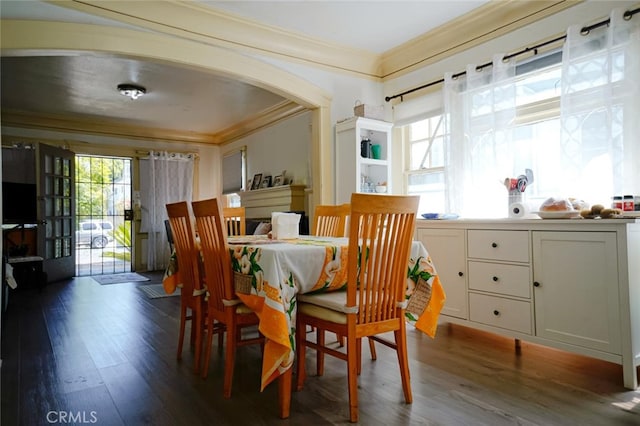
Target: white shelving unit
<point x="351" y="167"/>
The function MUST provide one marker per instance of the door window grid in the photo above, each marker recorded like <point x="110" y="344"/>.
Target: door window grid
<point x="104" y="191"/>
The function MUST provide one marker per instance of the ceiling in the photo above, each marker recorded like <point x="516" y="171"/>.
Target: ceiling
<point x="188" y="100"/>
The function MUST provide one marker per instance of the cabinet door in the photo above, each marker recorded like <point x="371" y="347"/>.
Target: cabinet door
<point x="447" y="250"/>
<point x="576" y="288"/>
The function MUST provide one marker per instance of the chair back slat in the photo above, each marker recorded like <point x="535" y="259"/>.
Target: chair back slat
<point x="186" y="250"/>
<point x="235" y="220"/>
<point x="215" y="253"/>
<point x="167" y="228"/>
<point x="380" y="237"/>
<point x="331" y="220"/>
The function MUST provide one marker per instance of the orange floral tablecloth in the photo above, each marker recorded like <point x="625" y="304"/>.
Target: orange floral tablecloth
<point x="281" y="269"/>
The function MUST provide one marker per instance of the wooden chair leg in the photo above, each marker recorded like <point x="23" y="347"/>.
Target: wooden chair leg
<point x="230" y="359"/>
<point x="196" y="323"/>
<point x="220" y="339"/>
<point x="372" y="349"/>
<point x="183" y="321"/>
<point x="403" y="361"/>
<point x="320" y="354"/>
<point x="301" y="355"/>
<point x="284" y="393"/>
<point x="207" y="351"/>
<point x="359" y="355"/>
<point x="352" y="377"/>
<point x="192" y="335"/>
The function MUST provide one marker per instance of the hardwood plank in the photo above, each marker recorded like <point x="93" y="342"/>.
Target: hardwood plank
<point x="80" y="347"/>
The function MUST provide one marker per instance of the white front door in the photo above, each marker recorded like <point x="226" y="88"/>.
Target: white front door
<point x="56" y="211"/>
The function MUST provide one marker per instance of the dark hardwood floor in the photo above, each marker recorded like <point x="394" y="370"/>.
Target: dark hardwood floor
<point x="105" y="354"/>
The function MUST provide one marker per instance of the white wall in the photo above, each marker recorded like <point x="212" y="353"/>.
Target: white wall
<point x="345" y="89"/>
<point x="284" y="146"/>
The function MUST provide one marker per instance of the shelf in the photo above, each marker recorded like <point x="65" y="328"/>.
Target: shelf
<point x="373" y="162"/>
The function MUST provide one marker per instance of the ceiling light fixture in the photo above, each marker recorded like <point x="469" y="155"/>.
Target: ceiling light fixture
<point x="131" y="90"/>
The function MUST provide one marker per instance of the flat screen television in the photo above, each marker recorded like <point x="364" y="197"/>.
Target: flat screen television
<point x="19" y="203"/>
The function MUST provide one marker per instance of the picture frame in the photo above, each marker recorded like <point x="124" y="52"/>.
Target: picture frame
<point x="266" y="182"/>
<point x="257" y="180"/>
<point x="278" y="180"/>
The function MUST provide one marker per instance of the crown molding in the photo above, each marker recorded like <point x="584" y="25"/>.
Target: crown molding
<point x="192" y="21"/>
<point x="265" y="118"/>
<point x="195" y="22"/>
<point x="82" y="125"/>
<point x="112" y="128"/>
<point x="487" y="22"/>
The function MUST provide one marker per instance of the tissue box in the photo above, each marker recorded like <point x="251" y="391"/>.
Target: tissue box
<point x="369" y="111"/>
<point x="285" y="225"/>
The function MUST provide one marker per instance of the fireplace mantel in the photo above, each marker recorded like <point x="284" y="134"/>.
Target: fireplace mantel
<point x="260" y="203"/>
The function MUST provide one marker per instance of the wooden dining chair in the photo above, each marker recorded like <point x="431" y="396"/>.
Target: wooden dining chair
<point x="192" y="305"/>
<point x="380" y="237"/>
<point x="223" y="307"/>
<point x="235" y="220"/>
<point x="331" y="220"/>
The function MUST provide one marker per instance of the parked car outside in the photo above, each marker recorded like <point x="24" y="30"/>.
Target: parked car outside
<point x="95" y="233"/>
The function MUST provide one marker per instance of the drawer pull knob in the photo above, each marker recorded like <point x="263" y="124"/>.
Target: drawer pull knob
<point x="496" y="313"/>
<point x="536" y="284"/>
<point x="460" y="273"/>
<point x="495" y="278"/>
<point x="494" y="245"/>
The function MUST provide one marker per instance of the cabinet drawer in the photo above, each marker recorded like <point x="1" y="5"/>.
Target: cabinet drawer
<point x="499" y="245"/>
<point x="499" y="278"/>
<point x="500" y="312"/>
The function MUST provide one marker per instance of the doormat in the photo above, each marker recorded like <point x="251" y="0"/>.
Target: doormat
<point x="155" y="291"/>
<point x="127" y="277"/>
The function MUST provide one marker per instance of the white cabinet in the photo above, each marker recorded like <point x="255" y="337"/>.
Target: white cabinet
<point x="569" y="284"/>
<point x="578" y="304"/>
<point x="499" y="279"/>
<point x="501" y="312"/>
<point x="355" y="173"/>
<point x="447" y="250"/>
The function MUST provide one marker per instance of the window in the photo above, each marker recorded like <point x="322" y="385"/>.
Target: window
<point x="535" y="136"/>
<point x="426" y="158"/>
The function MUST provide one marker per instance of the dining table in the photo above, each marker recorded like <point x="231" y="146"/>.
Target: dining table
<point x="269" y="273"/>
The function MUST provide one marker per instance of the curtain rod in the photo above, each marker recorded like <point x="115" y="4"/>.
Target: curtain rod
<point x="584" y="31"/>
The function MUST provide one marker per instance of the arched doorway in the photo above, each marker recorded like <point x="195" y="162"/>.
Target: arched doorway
<point x="57" y="38"/>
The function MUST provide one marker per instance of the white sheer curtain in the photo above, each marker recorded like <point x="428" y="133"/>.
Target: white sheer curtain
<point x="164" y="178"/>
<point x="480" y="113"/>
<point x="600" y="109"/>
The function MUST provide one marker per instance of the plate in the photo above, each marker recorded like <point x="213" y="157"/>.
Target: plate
<point x="439" y="216"/>
<point x="571" y="214"/>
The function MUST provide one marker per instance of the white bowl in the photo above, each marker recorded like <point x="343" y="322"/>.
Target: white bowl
<point x="381" y="189"/>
